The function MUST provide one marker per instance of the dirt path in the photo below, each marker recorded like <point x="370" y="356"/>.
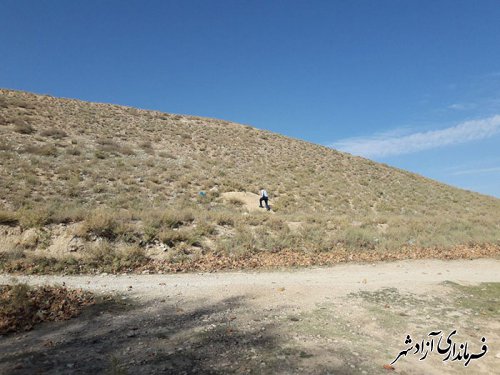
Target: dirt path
<point x="345" y="319"/>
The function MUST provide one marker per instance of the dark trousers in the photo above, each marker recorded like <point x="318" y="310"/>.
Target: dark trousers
<point x="265" y="199"/>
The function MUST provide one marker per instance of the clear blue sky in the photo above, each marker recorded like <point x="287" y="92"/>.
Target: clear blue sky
<point x="414" y="84"/>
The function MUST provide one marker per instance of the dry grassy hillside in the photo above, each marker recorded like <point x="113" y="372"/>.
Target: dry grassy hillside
<point x="84" y="181"/>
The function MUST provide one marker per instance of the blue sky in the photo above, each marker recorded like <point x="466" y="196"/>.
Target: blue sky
<point x="413" y="84"/>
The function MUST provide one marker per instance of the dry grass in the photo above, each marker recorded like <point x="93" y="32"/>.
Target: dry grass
<point x="133" y="178"/>
<point x="8" y="218"/>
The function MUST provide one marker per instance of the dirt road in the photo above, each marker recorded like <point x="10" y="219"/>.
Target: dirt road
<point x="346" y="319"/>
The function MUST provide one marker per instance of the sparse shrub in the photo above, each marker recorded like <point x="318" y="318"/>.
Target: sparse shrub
<point x="224" y="218"/>
<point x="43" y="150"/>
<point x="21" y="103"/>
<point x="146" y="145"/>
<point x="176" y="218"/>
<point x="8" y="218"/>
<point x="276" y="241"/>
<point x="54" y="133"/>
<point x="61" y="213"/>
<point x="285" y="204"/>
<point x="99" y="188"/>
<point x="3" y="102"/>
<point x="314" y="237"/>
<point x="164" y="221"/>
<point x="22" y="127"/>
<point x="242" y="243"/>
<point x="173" y="237"/>
<point x="73" y="151"/>
<point x="99" y="154"/>
<point x="115" y="368"/>
<point x="110" y="146"/>
<point x="204" y="228"/>
<point x="130" y="256"/>
<point x="102" y="223"/>
<point x="100" y="253"/>
<point x="167" y="155"/>
<point x="3" y="121"/>
<point x="103" y="256"/>
<point x="33" y="217"/>
<point x="126" y="150"/>
<point x="360" y="239"/>
<point x="5" y="146"/>
<point x="276" y="224"/>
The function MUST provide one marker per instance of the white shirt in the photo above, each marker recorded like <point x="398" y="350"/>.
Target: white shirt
<point x="263" y="193"/>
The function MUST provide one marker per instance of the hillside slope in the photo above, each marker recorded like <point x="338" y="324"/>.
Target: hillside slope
<point x="115" y="176"/>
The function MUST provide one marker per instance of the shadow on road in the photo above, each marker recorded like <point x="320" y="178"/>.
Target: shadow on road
<point x="157" y="338"/>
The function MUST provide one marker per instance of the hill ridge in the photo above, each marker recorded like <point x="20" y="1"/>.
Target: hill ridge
<point x="115" y="173"/>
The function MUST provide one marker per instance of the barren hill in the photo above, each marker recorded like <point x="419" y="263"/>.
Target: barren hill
<point x="121" y="185"/>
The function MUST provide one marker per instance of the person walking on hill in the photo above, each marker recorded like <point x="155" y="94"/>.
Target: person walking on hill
<point x="264" y="197"/>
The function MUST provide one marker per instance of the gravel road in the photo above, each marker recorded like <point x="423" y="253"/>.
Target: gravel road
<point x="350" y="318"/>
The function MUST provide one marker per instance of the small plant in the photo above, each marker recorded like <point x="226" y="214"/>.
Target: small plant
<point x="43" y="150"/>
<point x="33" y="217"/>
<point x="224" y="218"/>
<point x="73" y="151"/>
<point x="102" y="223"/>
<point x="54" y="133"/>
<point x="359" y="239"/>
<point x="22" y="127"/>
<point x="3" y="102"/>
<point x="115" y="368"/>
<point x="8" y="218"/>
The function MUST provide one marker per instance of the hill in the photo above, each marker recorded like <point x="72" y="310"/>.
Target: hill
<point x="86" y="185"/>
